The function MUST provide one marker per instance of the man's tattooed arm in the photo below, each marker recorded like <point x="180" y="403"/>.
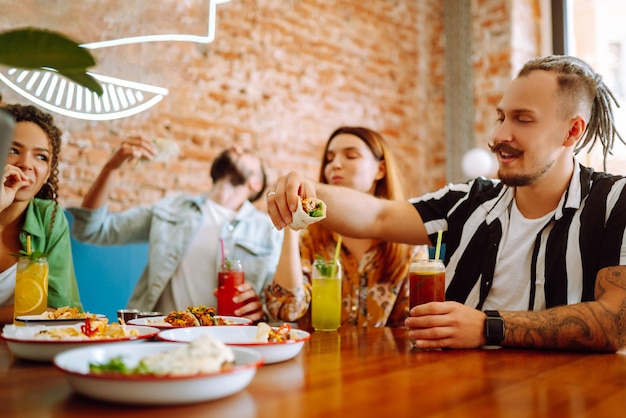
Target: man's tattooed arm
<point x="590" y="326"/>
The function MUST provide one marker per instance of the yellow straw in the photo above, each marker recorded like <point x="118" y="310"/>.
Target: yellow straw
<point x="28" y="244"/>
<point x="438" y="247"/>
<point x="335" y="260"/>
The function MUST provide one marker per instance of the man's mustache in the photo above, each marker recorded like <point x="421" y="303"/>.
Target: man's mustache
<point x="504" y="148"/>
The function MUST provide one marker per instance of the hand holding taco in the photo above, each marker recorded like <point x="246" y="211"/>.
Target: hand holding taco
<point x="309" y="211"/>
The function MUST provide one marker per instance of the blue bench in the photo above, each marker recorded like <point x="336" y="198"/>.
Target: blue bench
<point x="107" y="275"/>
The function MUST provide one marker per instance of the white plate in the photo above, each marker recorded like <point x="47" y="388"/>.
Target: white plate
<point x="161" y="390"/>
<point x="22" y="343"/>
<point x="159" y="321"/>
<point x="243" y="336"/>
<point x="38" y="320"/>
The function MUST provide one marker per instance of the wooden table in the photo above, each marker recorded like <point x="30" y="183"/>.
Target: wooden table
<point x="365" y="373"/>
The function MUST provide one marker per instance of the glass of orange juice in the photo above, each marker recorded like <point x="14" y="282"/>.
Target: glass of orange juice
<point x="31" y="286"/>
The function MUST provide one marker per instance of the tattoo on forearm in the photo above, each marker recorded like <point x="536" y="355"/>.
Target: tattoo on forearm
<point x="592" y="325"/>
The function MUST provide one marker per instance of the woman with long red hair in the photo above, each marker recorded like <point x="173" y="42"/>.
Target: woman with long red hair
<point x="375" y="288"/>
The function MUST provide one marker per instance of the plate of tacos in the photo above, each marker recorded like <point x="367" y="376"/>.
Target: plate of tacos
<point x="193" y="316"/>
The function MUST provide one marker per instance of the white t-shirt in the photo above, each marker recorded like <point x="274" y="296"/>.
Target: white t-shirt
<point x="196" y="276"/>
<point x="7" y="285"/>
<point x="511" y="285"/>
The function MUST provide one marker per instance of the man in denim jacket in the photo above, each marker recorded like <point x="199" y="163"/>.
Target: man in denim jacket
<point x="184" y="233"/>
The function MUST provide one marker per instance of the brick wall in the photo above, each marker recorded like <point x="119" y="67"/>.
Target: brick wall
<point x="279" y="78"/>
<point x="502" y="44"/>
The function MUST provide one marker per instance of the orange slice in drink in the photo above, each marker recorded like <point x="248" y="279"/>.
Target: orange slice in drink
<point x="28" y="296"/>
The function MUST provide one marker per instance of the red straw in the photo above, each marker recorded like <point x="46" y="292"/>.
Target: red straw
<point x="222" y="247"/>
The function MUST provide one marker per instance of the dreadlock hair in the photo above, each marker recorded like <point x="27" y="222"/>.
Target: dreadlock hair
<point x="29" y="113"/>
<point x="394" y="258"/>
<point x="582" y="88"/>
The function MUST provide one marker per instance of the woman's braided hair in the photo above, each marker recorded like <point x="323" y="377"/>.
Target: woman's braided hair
<point x="581" y="85"/>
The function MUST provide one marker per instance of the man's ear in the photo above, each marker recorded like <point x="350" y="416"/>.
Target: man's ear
<point x="576" y="131"/>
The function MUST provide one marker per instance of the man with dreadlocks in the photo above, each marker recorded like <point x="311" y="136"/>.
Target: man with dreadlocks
<point x="29" y="208"/>
<point x="534" y="259"/>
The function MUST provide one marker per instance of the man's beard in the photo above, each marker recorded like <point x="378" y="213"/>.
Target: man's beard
<point x="517" y="180"/>
<point x="520" y="180"/>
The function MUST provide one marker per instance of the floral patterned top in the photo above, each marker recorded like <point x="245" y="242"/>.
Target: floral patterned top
<point x="365" y="301"/>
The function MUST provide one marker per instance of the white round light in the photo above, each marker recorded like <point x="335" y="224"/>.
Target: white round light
<point x="478" y="162"/>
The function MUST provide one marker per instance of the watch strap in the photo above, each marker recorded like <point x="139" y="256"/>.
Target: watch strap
<point x="494" y="328"/>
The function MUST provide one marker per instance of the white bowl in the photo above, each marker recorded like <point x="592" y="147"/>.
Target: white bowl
<point x="159" y="321"/>
<point x="22" y="343"/>
<point x="156" y="390"/>
<point x="243" y="336"/>
<point x="29" y="320"/>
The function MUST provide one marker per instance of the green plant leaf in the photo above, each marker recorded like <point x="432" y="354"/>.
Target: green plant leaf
<point x="33" y="256"/>
<point x="31" y="48"/>
<point x="36" y="48"/>
<point x="324" y="267"/>
<point x="227" y="264"/>
<point x="84" y="80"/>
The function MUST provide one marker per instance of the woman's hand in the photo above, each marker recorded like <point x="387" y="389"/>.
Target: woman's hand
<point x="252" y="308"/>
<point x="13" y="180"/>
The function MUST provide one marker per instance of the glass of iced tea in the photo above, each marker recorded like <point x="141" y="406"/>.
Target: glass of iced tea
<point x="31" y="286"/>
<point x="229" y="277"/>
<point x="326" y="299"/>
<point x="427" y="281"/>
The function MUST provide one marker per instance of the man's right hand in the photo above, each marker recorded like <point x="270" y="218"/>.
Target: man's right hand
<point x="132" y="149"/>
<point x="282" y="197"/>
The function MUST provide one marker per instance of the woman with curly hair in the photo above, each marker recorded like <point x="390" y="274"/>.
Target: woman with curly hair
<point x="375" y="291"/>
<point x="29" y="207"/>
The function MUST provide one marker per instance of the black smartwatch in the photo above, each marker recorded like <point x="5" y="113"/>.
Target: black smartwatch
<point x="494" y="328"/>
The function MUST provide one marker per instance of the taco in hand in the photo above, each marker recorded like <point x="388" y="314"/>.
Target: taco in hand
<point x="309" y="211"/>
<point x="166" y="149"/>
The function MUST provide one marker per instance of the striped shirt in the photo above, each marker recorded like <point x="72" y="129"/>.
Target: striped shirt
<point x="585" y="234"/>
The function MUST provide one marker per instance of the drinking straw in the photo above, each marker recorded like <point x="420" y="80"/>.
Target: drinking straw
<point x="438" y="247"/>
<point x="222" y="248"/>
<point x="28" y="244"/>
<point x="335" y="260"/>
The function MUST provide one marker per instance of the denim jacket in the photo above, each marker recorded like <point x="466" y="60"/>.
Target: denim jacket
<point x="168" y="227"/>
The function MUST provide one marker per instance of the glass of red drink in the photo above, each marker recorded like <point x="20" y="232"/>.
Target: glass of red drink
<point x="427" y="281"/>
<point x="229" y="277"/>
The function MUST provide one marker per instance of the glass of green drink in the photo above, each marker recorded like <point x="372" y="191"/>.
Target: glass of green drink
<point x="326" y="300"/>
